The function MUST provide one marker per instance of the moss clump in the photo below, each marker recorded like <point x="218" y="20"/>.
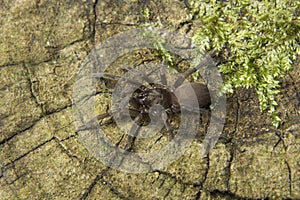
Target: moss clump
<point x="259" y="40"/>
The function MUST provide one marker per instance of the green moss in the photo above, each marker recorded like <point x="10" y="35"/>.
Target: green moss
<point x="259" y="40"/>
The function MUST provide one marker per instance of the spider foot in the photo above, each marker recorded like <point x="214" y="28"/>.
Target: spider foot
<point x="129" y="143"/>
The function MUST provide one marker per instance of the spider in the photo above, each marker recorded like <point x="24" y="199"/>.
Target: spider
<point x="150" y="101"/>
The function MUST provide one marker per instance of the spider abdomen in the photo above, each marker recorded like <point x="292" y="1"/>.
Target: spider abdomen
<point x="185" y="93"/>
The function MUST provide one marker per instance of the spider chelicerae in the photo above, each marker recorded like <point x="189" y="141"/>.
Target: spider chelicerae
<point x="143" y="99"/>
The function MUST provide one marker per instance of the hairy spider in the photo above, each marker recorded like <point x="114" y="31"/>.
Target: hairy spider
<point x="149" y="101"/>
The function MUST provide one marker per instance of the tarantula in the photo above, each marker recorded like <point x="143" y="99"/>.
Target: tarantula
<point x="143" y="98"/>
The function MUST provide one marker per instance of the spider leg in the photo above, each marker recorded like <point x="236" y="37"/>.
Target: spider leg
<point x="163" y="77"/>
<point x="132" y="79"/>
<point x="206" y="61"/>
<point x="169" y="128"/>
<point x="167" y="122"/>
<point x="134" y="131"/>
<point x="207" y="112"/>
<point x="116" y="77"/>
<point x="91" y="123"/>
<point x="139" y="73"/>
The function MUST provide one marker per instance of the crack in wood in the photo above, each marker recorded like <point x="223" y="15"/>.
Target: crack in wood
<point x="290" y="177"/>
<point x="114" y="190"/>
<point x="33" y="123"/>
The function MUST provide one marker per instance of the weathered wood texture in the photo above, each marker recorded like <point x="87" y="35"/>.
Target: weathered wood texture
<point x="41" y="156"/>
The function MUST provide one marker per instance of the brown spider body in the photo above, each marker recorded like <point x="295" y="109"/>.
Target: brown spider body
<point x="143" y="99"/>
